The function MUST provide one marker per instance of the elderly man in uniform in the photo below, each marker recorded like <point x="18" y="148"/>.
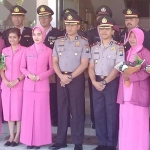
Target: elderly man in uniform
<point x="45" y="17"/>
<point x="71" y="55"/>
<point x="105" y="55"/>
<point x="93" y="37"/>
<point x="18" y="16"/>
<point x="80" y="32"/>
<point x="132" y="21"/>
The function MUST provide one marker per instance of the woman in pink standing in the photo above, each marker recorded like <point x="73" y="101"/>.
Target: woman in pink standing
<point x="135" y="99"/>
<point x="12" y="85"/>
<point x="2" y="45"/>
<point x="36" y="65"/>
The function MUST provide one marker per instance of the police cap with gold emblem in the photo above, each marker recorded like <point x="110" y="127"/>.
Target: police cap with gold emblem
<point x="106" y="22"/>
<point x="68" y="10"/>
<point x="44" y="10"/>
<point x="72" y="18"/>
<point x="131" y="13"/>
<point x="103" y="10"/>
<point x="17" y="10"/>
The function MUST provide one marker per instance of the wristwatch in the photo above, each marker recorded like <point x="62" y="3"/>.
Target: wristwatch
<point x="70" y="77"/>
<point x="104" y="82"/>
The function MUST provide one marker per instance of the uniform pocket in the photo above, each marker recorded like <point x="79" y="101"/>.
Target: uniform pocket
<point x="61" y="51"/>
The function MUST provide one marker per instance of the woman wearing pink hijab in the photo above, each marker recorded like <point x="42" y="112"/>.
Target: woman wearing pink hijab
<point x="135" y="99"/>
<point x="36" y="65"/>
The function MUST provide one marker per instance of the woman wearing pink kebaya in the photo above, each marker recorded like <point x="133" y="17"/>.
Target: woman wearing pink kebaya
<point x="135" y="100"/>
<point x="12" y="85"/>
<point x="36" y="65"/>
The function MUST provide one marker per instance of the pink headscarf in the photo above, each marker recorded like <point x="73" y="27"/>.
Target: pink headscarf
<point x="38" y="46"/>
<point x="140" y="39"/>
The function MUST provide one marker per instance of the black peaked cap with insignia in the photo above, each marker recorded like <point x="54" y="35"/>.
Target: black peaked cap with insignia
<point x="103" y="10"/>
<point x="17" y="10"/>
<point x="44" y="10"/>
<point x="131" y="13"/>
<point x="72" y="18"/>
<point x="68" y="10"/>
<point x="106" y="22"/>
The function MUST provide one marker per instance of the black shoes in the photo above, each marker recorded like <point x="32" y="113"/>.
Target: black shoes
<point x="100" y="147"/>
<point x="13" y="144"/>
<point x="78" y="147"/>
<point x="30" y="147"/>
<point x="33" y="147"/>
<point x="57" y="146"/>
<point x="37" y="147"/>
<point x="8" y="143"/>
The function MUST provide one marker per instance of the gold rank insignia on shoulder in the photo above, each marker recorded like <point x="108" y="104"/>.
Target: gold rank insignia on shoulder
<point x="113" y="48"/>
<point x="129" y="12"/>
<point x="77" y="44"/>
<point x="42" y="9"/>
<point x="69" y="17"/>
<point x="104" y="20"/>
<point x="16" y="9"/>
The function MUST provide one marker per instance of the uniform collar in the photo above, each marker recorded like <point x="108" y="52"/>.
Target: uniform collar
<point x="17" y="49"/>
<point x="49" y="29"/>
<point x="75" y="39"/>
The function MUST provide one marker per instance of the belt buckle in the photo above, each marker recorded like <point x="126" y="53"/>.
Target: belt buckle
<point x="102" y="77"/>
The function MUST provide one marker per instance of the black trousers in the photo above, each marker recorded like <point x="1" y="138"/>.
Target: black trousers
<point x="106" y="112"/>
<point x="91" y="101"/>
<point x="71" y="100"/>
<point x="53" y="104"/>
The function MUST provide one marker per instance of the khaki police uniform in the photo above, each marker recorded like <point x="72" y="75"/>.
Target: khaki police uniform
<point x="71" y="97"/>
<point x="106" y="110"/>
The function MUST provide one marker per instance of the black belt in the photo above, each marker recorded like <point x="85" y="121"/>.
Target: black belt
<point x="101" y="77"/>
<point x="65" y="72"/>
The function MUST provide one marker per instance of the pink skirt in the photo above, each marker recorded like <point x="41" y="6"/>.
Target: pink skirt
<point x="12" y="105"/>
<point x="36" y="122"/>
<point x="133" y="127"/>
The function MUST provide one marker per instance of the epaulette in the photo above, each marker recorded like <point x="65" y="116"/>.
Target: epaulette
<point x="84" y="38"/>
<point x="60" y="37"/>
<point x="94" y="44"/>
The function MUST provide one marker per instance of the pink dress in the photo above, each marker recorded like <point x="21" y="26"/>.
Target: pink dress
<point x="12" y="97"/>
<point x="2" y="45"/>
<point x="36" y="123"/>
<point x="134" y="121"/>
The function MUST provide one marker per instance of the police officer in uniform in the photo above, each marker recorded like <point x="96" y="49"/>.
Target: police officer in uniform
<point x="45" y="17"/>
<point x="17" y="16"/>
<point x="105" y="55"/>
<point x="80" y="32"/>
<point x="131" y="21"/>
<point x="71" y="55"/>
<point x="93" y="37"/>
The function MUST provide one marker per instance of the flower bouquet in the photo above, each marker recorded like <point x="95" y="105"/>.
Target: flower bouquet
<point x="2" y="62"/>
<point x="129" y="68"/>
